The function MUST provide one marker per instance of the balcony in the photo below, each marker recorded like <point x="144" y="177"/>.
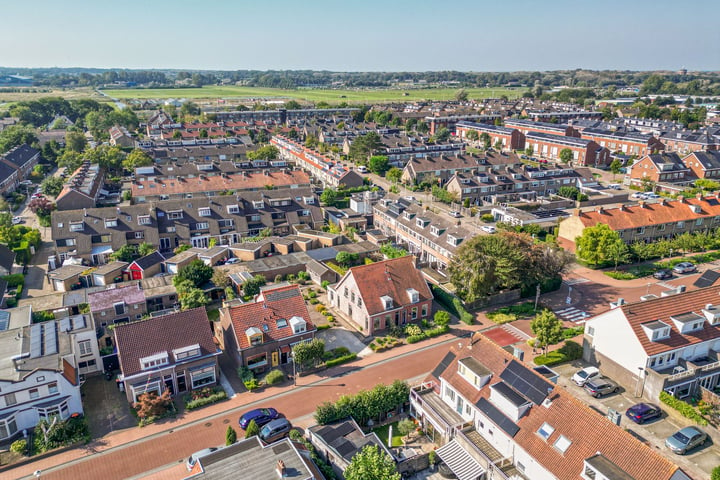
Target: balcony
<point x="430" y="408"/>
<point x="498" y="467"/>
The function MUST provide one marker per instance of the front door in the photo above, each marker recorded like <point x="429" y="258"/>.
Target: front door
<point x="181" y="383"/>
<point x="275" y="359"/>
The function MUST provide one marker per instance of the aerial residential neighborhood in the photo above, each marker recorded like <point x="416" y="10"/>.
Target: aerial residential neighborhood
<point x="360" y="242"/>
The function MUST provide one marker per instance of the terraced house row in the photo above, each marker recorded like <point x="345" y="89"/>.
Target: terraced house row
<point x="94" y="233"/>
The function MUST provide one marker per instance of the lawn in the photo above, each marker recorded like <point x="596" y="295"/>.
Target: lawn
<point x="313" y="95"/>
<point x="34" y="93"/>
<point x="213" y="315"/>
<point x="382" y="433"/>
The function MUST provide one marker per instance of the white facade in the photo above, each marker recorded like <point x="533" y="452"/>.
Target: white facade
<point x="610" y="334"/>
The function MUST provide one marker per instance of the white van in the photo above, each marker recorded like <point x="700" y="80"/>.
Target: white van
<point x="362" y="169"/>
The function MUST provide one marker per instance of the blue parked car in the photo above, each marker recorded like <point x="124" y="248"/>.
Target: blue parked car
<point x="642" y="412"/>
<point x="260" y="415"/>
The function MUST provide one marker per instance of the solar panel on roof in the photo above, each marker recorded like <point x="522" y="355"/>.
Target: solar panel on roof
<point x="503" y="422"/>
<point x="443" y="364"/>
<point x="707" y="278"/>
<point x="526" y="382"/>
<point x="4" y="320"/>
<point x="344" y="428"/>
<point x="345" y="448"/>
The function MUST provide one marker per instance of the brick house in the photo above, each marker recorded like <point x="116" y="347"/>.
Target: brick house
<point x="23" y="158"/>
<point x="511" y="138"/>
<point x="82" y="189"/>
<point x="147" y="266"/>
<point x="174" y="352"/>
<point x="627" y="142"/>
<point x="440" y="168"/>
<point x="526" y="126"/>
<point x="704" y="164"/>
<point x="391" y="293"/>
<point x="114" y="306"/>
<point x="585" y="152"/>
<point x="686" y="141"/>
<point x="660" y="168"/>
<point x="260" y="335"/>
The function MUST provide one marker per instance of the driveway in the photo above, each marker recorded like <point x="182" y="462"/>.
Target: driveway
<point x="339" y="337"/>
<point x="106" y="408"/>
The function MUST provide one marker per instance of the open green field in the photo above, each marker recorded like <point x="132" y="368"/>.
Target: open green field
<point x="313" y="95"/>
<point x="34" y="93"/>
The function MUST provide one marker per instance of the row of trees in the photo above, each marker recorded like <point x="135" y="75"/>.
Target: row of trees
<point x="365" y="405"/>
<point x="488" y="264"/>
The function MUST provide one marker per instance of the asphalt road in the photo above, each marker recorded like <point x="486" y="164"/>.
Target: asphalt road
<point x="169" y="448"/>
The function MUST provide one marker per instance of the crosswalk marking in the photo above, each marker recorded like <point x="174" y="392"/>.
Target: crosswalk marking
<point x="575" y="281"/>
<point x="573" y="314"/>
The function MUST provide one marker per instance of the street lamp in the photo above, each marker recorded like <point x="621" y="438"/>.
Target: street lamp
<point x="292" y="357"/>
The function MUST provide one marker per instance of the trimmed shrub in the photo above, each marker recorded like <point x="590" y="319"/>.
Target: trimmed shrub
<point x="323" y="327"/>
<point x="501" y="318"/>
<point x="19" y="446"/>
<point x="320" y="308"/>
<point x="412" y="330"/>
<point x="11" y="302"/>
<point x="14" y="280"/>
<point x="201" y="402"/>
<point x="685" y="409"/>
<point x="274" y="376"/>
<point x="415" y="338"/>
<point x="251" y="384"/>
<point x="715" y="474"/>
<point x="340" y="360"/>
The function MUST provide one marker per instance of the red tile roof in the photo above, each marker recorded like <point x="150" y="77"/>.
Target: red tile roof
<point x="162" y="334"/>
<point x="665" y="307"/>
<point x="270" y="306"/>
<point x="392" y="278"/>
<point x="636" y="216"/>
<point x="588" y="431"/>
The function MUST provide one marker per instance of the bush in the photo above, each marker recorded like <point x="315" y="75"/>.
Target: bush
<point x="324" y="284"/>
<point x="340" y="351"/>
<point x="340" y="360"/>
<point x="715" y="474"/>
<point x="274" y="376"/>
<point x="320" y="308"/>
<point x="415" y="338"/>
<point x="685" y="409"/>
<point x="210" y="399"/>
<point x="441" y="318"/>
<point x="11" y="302"/>
<point x="314" y="301"/>
<point x="323" y="327"/>
<point x="38" y="317"/>
<point x="19" y="446"/>
<point x="411" y="330"/>
<point x="365" y="405"/>
<point x="501" y="318"/>
<point x="14" y="280"/>
<point x="487" y="217"/>
<point x="251" y="384"/>
<point x="621" y="275"/>
<point x="571" y="332"/>
<point x="567" y="353"/>
<point x="330" y="318"/>
<point x="245" y="374"/>
<point x="434" y="332"/>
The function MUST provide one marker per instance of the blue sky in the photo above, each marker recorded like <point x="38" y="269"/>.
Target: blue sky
<point x="362" y="35"/>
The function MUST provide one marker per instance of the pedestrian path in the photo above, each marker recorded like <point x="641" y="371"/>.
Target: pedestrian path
<point x="572" y="314"/>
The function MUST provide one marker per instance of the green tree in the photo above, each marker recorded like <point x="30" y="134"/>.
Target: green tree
<point x="442" y="135"/>
<point x="329" y="196"/>
<point x="252" y="429"/>
<point x="378" y="164"/>
<point x="311" y="141"/>
<point x="308" y="354"/>
<point x="189" y="296"/>
<point x="615" y="167"/>
<point x="252" y="286"/>
<point x="529" y="151"/>
<point x="346" y="258"/>
<point x="52" y="186"/>
<point x="146" y="249"/>
<point x="292" y="105"/>
<point x="364" y="146"/>
<point x="371" y="463"/>
<point x="394" y="174"/>
<point x="405" y="428"/>
<point x="267" y="152"/>
<point x="566" y="155"/>
<point x="390" y="251"/>
<point x="707" y="185"/>
<point x="126" y="253"/>
<point x="442" y="318"/>
<point x="472" y="135"/>
<point x="196" y="272"/>
<point x="136" y="158"/>
<point x="220" y="278"/>
<point x="70" y="160"/>
<point x="547" y="328"/>
<point x="486" y="140"/>
<point x="75" y="141"/>
<point x="595" y="243"/>
<point x="108" y="157"/>
<point x="422" y="128"/>
<point x="16" y="135"/>
<point x="498" y="144"/>
<point x="461" y="95"/>
<point x="230" y="436"/>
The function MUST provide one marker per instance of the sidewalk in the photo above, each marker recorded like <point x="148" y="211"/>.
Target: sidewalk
<point x="133" y="435"/>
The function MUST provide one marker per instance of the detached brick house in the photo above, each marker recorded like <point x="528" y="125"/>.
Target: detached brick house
<point x="664" y="168"/>
<point x="174" y="352"/>
<point x="260" y="335"/>
<point x="704" y="164"/>
<point x="381" y="295"/>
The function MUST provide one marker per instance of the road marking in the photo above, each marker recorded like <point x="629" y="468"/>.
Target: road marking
<point x="575" y="281"/>
<point x="573" y="314"/>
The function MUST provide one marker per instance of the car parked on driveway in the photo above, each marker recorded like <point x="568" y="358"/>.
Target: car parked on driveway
<point x="642" y="412"/>
<point x="260" y="415"/>
<point x="639" y="196"/>
<point x="192" y="459"/>
<point x="663" y="274"/>
<point x="275" y="430"/>
<point x="488" y="229"/>
<point x="17" y="220"/>
<point x="455" y="213"/>
<point x="685" y="267"/>
<point x="586" y="374"/>
<point x="600" y="387"/>
<point x="685" y="440"/>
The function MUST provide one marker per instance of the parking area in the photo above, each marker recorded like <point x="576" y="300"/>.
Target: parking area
<point x="106" y="407"/>
<point x="698" y="463"/>
<point x="339" y="337"/>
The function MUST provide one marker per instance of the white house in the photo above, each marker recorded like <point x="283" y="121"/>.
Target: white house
<point x="39" y="373"/>
<point x="670" y="343"/>
<point x="495" y="418"/>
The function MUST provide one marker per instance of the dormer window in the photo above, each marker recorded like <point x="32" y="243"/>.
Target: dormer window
<point x="144" y="220"/>
<point x="233" y="209"/>
<point x="77" y="226"/>
<point x="453" y="240"/>
<point x="408" y="215"/>
<point x="435" y="230"/>
<point x="421" y="222"/>
<point x="298" y="324"/>
<point x="712" y="314"/>
<point x="413" y="295"/>
<point x="656" y="330"/>
<point x="258" y="204"/>
<point x="309" y="200"/>
<point x="688" y="322"/>
<point x="387" y="302"/>
<point x="119" y="308"/>
<point x="110" y="222"/>
<point x="175" y="214"/>
<point x="254" y="336"/>
<point x="186" y="352"/>
<point x="204" y="211"/>
<point x="152" y="361"/>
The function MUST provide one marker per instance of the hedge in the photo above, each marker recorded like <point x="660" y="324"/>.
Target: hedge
<point x="274" y="376"/>
<point x="568" y="352"/>
<point x="340" y="360"/>
<point x="201" y="402"/>
<point x="323" y="327"/>
<point x="685" y="409"/>
<point x="14" y="279"/>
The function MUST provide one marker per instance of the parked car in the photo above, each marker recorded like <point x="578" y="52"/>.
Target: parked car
<point x="639" y="196"/>
<point x="686" y="439"/>
<point x="587" y="373"/>
<point x="663" y="274"/>
<point x="275" y="430"/>
<point x="260" y="415"/>
<point x="488" y="229"/>
<point x="685" y="267"/>
<point x="26" y="182"/>
<point x="642" y="412"/>
<point x="614" y="186"/>
<point x="455" y="214"/>
<point x="232" y="260"/>
<point x="599" y="387"/>
<point x="192" y="459"/>
<point x="17" y="220"/>
<point x="362" y="169"/>
<point x="651" y="196"/>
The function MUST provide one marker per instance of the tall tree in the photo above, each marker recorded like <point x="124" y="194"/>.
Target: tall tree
<point x="547" y="328"/>
<point x="196" y="271"/>
<point x="615" y="167"/>
<point x="394" y="174"/>
<point x="364" y="146"/>
<point x="136" y="158"/>
<point x="566" y="155"/>
<point x="595" y="244"/>
<point x="230" y="436"/>
<point x="252" y="429"/>
<point x="371" y="463"/>
<point x="378" y="164"/>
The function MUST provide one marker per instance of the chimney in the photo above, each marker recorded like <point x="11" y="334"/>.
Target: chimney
<point x="84" y="212"/>
<point x="699" y="196"/>
<point x="681" y="198"/>
<point x="641" y="203"/>
<point x="600" y="209"/>
<point x="663" y="201"/>
<point x="623" y="208"/>
<point x="280" y="469"/>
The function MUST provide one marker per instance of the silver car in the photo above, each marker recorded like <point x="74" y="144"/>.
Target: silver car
<point x="686" y="439"/>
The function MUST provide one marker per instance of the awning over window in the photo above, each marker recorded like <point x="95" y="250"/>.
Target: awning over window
<point x="462" y="464"/>
<point x="285" y="349"/>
